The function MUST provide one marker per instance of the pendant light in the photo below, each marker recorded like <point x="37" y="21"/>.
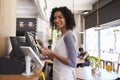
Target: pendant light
<point x="82" y="28"/>
<point x="73" y="7"/>
<point x="97" y="27"/>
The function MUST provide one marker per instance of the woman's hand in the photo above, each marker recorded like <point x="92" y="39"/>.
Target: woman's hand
<point x="40" y="43"/>
<point x="47" y="52"/>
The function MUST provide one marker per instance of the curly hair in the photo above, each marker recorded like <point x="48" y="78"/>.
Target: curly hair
<point x="68" y="15"/>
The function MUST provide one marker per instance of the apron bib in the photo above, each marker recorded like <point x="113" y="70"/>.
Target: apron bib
<point x="60" y="70"/>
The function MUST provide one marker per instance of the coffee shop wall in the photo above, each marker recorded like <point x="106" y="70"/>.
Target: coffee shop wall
<point x="25" y="24"/>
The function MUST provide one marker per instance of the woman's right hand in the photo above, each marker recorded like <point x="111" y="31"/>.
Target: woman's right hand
<point x="47" y="52"/>
<point x="40" y="43"/>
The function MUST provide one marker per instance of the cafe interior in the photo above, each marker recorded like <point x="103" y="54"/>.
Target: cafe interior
<point x="97" y="32"/>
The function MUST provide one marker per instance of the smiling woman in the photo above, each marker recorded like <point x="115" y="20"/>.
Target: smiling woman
<point x="64" y="57"/>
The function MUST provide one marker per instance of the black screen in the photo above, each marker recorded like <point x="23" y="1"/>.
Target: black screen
<point x="16" y="52"/>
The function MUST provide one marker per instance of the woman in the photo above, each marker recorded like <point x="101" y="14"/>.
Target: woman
<point x="64" y="55"/>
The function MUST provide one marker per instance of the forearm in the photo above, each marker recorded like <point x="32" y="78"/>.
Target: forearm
<point x="61" y="58"/>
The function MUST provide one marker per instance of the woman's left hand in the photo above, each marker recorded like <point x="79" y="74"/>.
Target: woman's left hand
<point x="40" y="43"/>
<point x="47" y="52"/>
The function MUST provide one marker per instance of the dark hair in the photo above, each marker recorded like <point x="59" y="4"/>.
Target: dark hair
<point x="49" y="47"/>
<point x="80" y="49"/>
<point x="68" y="15"/>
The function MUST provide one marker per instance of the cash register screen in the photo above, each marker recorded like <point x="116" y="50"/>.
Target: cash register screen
<point x="33" y="49"/>
<point x="29" y="51"/>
